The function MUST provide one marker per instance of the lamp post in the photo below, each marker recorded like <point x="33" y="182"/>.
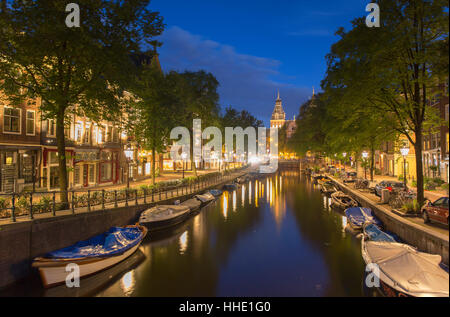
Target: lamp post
<point x="404" y="151"/>
<point x="183" y="157"/>
<point x="129" y="155"/>
<point x="365" y="155"/>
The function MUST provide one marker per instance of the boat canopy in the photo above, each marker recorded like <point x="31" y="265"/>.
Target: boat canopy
<point x="408" y="270"/>
<point x="115" y="241"/>
<point x="374" y="233"/>
<point x="359" y="216"/>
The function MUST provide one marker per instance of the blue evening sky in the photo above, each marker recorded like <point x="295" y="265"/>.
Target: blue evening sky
<point x="255" y="47"/>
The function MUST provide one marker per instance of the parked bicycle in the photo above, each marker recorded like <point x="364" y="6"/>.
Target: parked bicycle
<point x="397" y="199"/>
<point x="362" y="184"/>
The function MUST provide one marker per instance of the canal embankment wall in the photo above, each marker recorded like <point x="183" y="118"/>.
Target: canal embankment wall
<point x="423" y="238"/>
<point x="21" y="242"/>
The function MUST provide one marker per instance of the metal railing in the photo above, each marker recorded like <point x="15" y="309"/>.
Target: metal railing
<point x="29" y="204"/>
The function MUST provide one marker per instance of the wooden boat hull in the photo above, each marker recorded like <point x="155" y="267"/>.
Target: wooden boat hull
<point x="53" y="272"/>
<point x="163" y="224"/>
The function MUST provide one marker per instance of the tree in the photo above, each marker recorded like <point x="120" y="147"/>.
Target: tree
<point x="73" y="70"/>
<point x="394" y="70"/>
<point x="198" y="100"/>
<point x="155" y="100"/>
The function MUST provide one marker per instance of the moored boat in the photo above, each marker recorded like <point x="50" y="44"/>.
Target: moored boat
<point x="405" y="271"/>
<point x="230" y="187"/>
<point x="341" y="200"/>
<point x="162" y="216"/>
<point x="328" y="187"/>
<point x="193" y="204"/>
<point x="205" y="198"/>
<point x="216" y="192"/>
<point x="372" y="232"/>
<point x="359" y="216"/>
<point x="93" y="255"/>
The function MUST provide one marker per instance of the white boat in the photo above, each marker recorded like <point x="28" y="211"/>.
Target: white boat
<point x="91" y="256"/>
<point x="162" y="216"/>
<point x="205" y="198"/>
<point x="404" y="271"/>
<point x="193" y="204"/>
<point x="344" y="201"/>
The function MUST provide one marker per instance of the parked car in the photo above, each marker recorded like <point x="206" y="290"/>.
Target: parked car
<point x="437" y="211"/>
<point x="349" y="177"/>
<point x="390" y="185"/>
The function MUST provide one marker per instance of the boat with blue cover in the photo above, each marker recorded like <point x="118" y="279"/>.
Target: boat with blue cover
<point x="358" y="216"/>
<point x="92" y="255"/>
<point x="216" y="192"/>
<point x="230" y="187"/>
<point x="372" y="232"/>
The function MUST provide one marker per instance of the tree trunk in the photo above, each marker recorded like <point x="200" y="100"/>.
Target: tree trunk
<point x="61" y="142"/>
<point x="153" y="166"/>
<point x="372" y="162"/>
<point x="419" y="166"/>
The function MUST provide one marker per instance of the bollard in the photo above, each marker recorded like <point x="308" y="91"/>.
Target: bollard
<point x="13" y="207"/>
<point x="103" y="199"/>
<point x="31" y="206"/>
<point x="153" y="197"/>
<point x="54" y="204"/>
<point x="166" y="193"/>
<point x="115" y="198"/>
<point x="136" y="196"/>
<point x="159" y="194"/>
<point x="126" y="197"/>
<point x="89" y="200"/>
<point x="145" y="196"/>
<point x="73" y="201"/>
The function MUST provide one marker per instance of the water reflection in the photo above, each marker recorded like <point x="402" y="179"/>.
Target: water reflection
<point x="284" y="240"/>
<point x="127" y="283"/>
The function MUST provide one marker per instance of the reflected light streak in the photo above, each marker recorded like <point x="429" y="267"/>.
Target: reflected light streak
<point x="127" y="283"/>
<point x="234" y="201"/>
<point x="225" y="205"/>
<point x="243" y="195"/>
<point x="183" y="242"/>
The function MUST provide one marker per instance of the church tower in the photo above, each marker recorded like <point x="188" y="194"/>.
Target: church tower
<point x="278" y="115"/>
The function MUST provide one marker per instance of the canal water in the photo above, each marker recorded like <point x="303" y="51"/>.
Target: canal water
<point x="275" y="236"/>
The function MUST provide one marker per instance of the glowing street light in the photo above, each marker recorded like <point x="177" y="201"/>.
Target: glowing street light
<point x="365" y="155"/>
<point x="404" y="151"/>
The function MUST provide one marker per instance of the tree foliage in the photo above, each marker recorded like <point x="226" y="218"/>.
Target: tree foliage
<point x="72" y="70"/>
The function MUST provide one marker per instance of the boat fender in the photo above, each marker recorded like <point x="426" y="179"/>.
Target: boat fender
<point x="176" y="202"/>
<point x="359" y="236"/>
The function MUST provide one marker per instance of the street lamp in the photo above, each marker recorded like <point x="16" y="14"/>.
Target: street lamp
<point x="183" y="157"/>
<point x="365" y="155"/>
<point x="404" y="151"/>
<point x="129" y="155"/>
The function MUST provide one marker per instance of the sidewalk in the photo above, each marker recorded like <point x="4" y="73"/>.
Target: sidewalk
<point x="167" y="176"/>
<point x="376" y="200"/>
<point x="140" y="200"/>
<point x="431" y="195"/>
